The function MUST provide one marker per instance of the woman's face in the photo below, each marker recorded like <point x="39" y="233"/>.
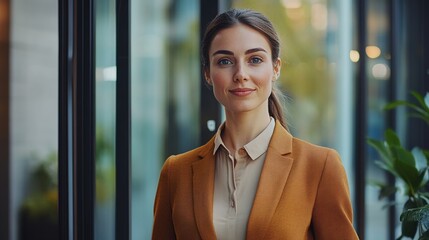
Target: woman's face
<point x="241" y="69"/>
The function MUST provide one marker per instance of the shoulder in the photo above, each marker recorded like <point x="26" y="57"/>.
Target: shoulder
<point x="189" y="157"/>
<point x="302" y="146"/>
<point x="302" y="152"/>
<point x="315" y="155"/>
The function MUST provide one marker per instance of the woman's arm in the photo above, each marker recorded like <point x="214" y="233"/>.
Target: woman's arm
<point x="332" y="214"/>
<point x="163" y="227"/>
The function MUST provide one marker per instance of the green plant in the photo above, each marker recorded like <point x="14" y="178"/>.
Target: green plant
<point x="43" y="198"/>
<point x="410" y="168"/>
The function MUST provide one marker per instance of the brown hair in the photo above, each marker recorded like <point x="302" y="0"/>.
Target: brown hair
<point x="261" y="24"/>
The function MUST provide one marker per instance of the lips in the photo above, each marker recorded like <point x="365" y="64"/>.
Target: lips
<point x="241" y="91"/>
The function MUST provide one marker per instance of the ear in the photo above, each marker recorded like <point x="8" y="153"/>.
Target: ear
<point x="207" y="77"/>
<point x="277" y="67"/>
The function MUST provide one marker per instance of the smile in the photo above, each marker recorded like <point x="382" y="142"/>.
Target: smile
<point x="241" y="91"/>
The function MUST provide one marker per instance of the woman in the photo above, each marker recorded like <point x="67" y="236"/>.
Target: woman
<point x="252" y="180"/>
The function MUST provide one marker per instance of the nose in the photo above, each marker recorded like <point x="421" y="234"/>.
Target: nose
<point x="240" y="73"/>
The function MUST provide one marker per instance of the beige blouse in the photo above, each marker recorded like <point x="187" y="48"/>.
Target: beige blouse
<point x="235" y="186"/>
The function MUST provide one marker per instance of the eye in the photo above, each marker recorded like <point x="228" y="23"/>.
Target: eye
<point x="255" y="60"/>
<point x="224" y="61"/>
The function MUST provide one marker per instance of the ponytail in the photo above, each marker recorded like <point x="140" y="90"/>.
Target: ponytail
<point x="275" y="106"/>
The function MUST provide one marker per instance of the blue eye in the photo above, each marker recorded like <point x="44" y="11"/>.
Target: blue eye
<point x="224" y="62"/>
<point x="255" y="60"/>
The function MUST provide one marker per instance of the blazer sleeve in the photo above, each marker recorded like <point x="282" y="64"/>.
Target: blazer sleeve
<point x="332" y="214"/>
<point x="163" y="227"/>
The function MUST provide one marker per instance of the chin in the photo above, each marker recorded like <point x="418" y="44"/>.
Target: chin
<point x="241" y="109"/>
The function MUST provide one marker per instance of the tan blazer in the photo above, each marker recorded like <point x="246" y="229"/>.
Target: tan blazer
<point x="302" y="194"/>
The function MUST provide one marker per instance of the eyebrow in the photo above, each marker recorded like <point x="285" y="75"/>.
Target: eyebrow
<point x="227" y="52"/>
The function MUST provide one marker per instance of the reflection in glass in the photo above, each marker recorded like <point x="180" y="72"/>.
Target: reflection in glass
<point x="165" y="84"/>
<point x="33" y="120"/>
<point x="105" y="105"/>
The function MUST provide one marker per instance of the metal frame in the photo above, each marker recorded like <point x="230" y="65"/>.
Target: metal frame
<point x="209" y="107"/>
<point x="65" y="123"/>
<point x="418" y="66"/>
<point x="393" y="15"/>
<point x="76" y="119"/>
<point x="123" y="121"/>
<point x="4" y="120"/>
<point x="361" y="119"/>
<point x="84" y="132"/>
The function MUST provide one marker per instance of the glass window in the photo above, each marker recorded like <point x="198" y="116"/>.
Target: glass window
<point x="165" y="83"/>
<point x="377" y="54"/>
<point x="105" y="119"/>
<point x="33" y="119"/>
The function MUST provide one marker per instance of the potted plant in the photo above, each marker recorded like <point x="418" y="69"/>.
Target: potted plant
<point x="410" y="168"/>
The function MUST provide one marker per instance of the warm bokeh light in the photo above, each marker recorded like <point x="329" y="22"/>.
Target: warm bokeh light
<point x="354" y="55"/>
<point x="380" y="71"/>
<point x="292" y="3"/>
<point x="319" y="16"/>
<point x="373" y="51"/>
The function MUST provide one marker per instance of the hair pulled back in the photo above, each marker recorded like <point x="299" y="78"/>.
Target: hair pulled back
<point x="261" y="24"/>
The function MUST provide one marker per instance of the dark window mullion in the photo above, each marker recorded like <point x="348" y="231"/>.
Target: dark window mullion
<point x="209" y="107"/>
<point x="394" y="20"/>
<point x="123" y="121"/>
<point x="5" y="113"/>
<point x="361" y="121"/>
<point x="84" y="117"/>
<point x="65" y="121"/>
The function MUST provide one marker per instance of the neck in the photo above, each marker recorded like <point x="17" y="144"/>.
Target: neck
<point x="242" y="128"/>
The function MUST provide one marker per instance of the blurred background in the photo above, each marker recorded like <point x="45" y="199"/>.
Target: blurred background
<point x="343" y="60"/>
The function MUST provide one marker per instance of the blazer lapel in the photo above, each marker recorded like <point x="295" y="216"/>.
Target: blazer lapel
<point x="203" y="187"/>
<point x="271" y="183"/>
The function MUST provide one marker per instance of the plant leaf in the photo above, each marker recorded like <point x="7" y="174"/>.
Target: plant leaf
<point x="409" y="228"/>
<point x="397" y="103"/>
<point x="421" y="161"/>
<point x="381" y="149"/>
<point x="404" y="165"/>
<point x="427" y="100"/>
<point x="376" y="183"/>
<point x="419" y="99"/>
<point x="386" y="191"/>
<point x="404" y="156"/>
<point x="391" y="138"/>
<point x="416" y="214"/>
<point x="409" y="225"/>
<point x="424" y="117"/>
<point x="423" y="178"/>
<point x="387" y="167"/>
<point x="426" y="153"/>
<point x="416" y="108"/>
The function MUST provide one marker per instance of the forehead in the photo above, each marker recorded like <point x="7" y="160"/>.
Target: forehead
<point x="239" y="38"/>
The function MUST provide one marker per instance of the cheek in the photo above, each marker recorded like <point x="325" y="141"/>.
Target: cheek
<point x="219" y="79"/>
<point x="264" y="80"/>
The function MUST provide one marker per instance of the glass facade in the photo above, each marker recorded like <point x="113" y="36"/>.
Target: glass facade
<point x="377" y="54"/>
<point x="33" y="119"/>
<point x="105" y="114"/>
<point x="319" y="76"/>
<point x="165" y="82"/>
